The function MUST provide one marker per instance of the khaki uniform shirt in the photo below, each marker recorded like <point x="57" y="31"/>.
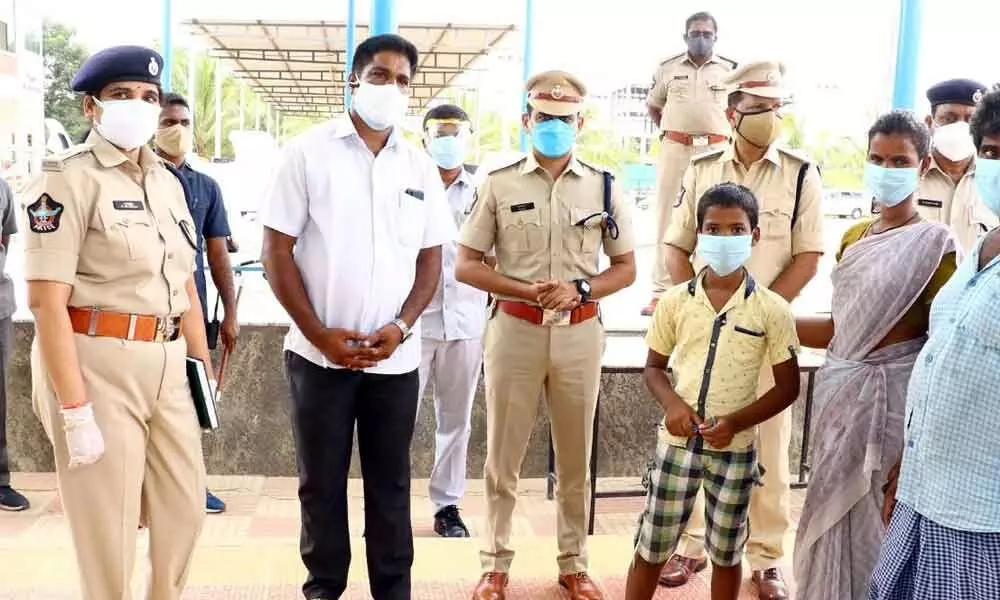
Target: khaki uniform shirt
<point x="118" y="232"/>
<point x="543" y="229"/>
<point x="940" y="199"/>
<point x="758" y="333"/>
<point x="692" y="98"/>
<point x="773" y="180"/>
<point x="936" y="194"/>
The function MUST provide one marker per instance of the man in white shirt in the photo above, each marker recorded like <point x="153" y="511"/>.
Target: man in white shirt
<point x="353" y="226"/>
<point x="452" y="328"/>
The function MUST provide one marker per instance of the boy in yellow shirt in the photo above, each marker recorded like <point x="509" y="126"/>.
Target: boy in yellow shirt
<point x="720" y="328"/>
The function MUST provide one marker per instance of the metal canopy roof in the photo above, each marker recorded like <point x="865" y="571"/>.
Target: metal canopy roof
<point x="299" y="66"/>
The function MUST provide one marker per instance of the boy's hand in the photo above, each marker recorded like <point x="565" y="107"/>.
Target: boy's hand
<point x="682" y="420"/>
<point x="718" y="432"/>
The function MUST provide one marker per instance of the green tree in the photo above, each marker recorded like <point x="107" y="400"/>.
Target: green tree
<point x="63" y="55"/>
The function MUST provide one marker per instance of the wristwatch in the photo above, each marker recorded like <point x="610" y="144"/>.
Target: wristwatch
<point x="403" y="328"/>
<point x="583" y="288"/>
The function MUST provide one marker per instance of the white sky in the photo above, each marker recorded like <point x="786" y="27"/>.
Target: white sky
<point x="840" y="54"/>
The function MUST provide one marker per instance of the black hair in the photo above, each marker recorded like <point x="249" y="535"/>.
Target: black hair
<point x="446" y="111"/>
<point x="986" y="120"/>
<point x="389" y="42"/>
<point x="903" y="122"/>
<point x="701" y="16"/>
<point x="172" y="99"/>
<point x="729" y="195"/>
<point x="734" y="98"/>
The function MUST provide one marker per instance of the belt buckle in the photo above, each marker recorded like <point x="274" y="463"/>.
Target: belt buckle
<point x="165" y="329"/>
<point x="699" y="141"/>
<point x="555" y="318"/>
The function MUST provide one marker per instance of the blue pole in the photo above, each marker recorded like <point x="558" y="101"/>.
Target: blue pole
<point x="168" y="46"/>
<point x="383" y="17"/>
<point x="904" y="91"/>
<point x="352" y="32"/>
<point x="529" y="34"/>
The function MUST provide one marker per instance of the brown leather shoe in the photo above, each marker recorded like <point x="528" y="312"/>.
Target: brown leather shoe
<point x="770" y="585"/>
<point x="492" y="586"/>
<point x="679" y="570"/>
<point x="580" y="587"/>
<point x="649" y="309"/>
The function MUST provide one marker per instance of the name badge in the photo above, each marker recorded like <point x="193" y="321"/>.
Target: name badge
<point x="680" y="76"/>
<point x="127" y="205"/>
<point x="929" y="202"/>
<point x="522" y="207"/>
<point x="418" y="194"/>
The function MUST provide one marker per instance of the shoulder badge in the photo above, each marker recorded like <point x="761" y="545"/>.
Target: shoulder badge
<point x="732" y="63"/>
<point x="673" y="58"/>
<point x="57" y="162"/>
<point x="801" y="157"/>
<point x="508" y="164"/>
<point x="599" y="169"/>
<point x="710" y="155"/>
<point x="44" y="215"/>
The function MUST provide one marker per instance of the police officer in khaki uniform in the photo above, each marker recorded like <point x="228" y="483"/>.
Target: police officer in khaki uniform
<point x="947" y="192"/>
<point x="548" y="216"/>
<point x="787" y="257"/>
<point x="687" y="101"/>
<point x="109" y="259"/>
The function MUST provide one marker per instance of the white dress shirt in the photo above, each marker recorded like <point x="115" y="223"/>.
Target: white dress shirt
<point x="457" y="311"/>
<point x="360" y="220"/>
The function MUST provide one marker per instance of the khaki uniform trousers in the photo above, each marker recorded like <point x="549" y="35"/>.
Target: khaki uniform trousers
<point x="152" y="462"/>
<point x="770" y="504"/>
<point x="521" y="361"/>
<point x="673" y="161"/>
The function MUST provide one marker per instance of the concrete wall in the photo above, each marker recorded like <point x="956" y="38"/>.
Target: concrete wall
<point x="255" y="438"/>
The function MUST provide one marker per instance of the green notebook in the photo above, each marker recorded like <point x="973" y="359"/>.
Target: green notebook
<point x="201" y="392"/>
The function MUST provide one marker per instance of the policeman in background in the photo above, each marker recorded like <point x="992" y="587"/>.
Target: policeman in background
<point x="785" y="260"/>
<point x="451" y="329"/>
<point x="547" y="215"/>
<point x="109" y="259"/>
<point x="687" y="102"/>
<point x="947" y="192"/>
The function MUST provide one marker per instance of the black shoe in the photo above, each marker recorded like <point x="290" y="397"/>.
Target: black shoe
<point x="11" y="500"/>
<point x="447" y="523"/>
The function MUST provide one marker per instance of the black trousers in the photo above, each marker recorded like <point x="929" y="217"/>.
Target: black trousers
<point x="6" y="339"/>
<point x="326" y="404"/>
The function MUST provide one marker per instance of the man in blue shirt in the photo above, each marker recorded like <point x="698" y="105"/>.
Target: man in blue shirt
<point x="944" y="535"/>
<point x="174" y="141"/>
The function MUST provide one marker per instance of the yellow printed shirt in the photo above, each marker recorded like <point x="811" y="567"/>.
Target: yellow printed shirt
<point x="717" y="357"/>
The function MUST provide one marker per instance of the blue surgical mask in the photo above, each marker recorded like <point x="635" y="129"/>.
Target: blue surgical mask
<point x="724" y="253"/>
<point x="553" y="138"/>
<point x="987" y="180"/>
<point x="891" y="186"/>
<point x="448" y="151"/>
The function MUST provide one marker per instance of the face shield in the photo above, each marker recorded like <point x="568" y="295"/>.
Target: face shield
<point x="447" y="141"/>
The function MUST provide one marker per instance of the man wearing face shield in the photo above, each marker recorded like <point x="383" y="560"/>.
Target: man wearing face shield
<point x="687" y="104"/>
<point x="787" y="257"/>
<point x="452" y="329"/>
<point x="354" y="221"/>
<point x="947" y="193"/>
<point x="109" y="259"/>
<point x="174" y="141"/>
<point x="547" y="216"/>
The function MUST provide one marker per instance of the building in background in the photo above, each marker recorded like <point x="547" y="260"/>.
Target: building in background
<point x="22" y="91"/>
<point x="630" y="120"/>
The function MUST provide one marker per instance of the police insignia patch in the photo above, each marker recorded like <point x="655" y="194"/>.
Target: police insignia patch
<point x="977" y="96"/>
<point x="44" y="215"/>
<point x="154" y="68"/>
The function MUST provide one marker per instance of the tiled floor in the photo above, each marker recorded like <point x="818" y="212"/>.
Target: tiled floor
<point x="251" y="551"/>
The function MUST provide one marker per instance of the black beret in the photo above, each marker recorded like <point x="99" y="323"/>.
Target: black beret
<point x="118" y="63"/>
<point x="956" y="91"/>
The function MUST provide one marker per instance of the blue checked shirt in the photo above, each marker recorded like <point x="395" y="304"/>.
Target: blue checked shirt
<point x="951" y="460"/>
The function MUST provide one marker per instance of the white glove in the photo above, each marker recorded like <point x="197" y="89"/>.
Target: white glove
<point x="83" y="438"/>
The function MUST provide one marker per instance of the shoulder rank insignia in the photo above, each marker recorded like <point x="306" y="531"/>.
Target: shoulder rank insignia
<point x="44" y="215"/>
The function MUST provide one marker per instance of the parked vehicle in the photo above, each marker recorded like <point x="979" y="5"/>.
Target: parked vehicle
<point x="846" y="203"/>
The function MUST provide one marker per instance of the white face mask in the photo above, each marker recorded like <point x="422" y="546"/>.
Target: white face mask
<point x="954" y="141"/>
<point x="127" y="124"/>
<point x="379" y="106"/>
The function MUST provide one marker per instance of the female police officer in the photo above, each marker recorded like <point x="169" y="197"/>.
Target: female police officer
<point x="109" y="257"/>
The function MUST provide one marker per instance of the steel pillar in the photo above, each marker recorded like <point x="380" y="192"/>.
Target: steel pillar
<point x="383" y="17"/>
<point x="904" y="90"/>
<point x="352" y="32"/>
<point x="168" y="46"/>
<point x="528" y="59"/>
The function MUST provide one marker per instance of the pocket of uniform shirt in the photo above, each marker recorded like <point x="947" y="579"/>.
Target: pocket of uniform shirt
<point x="775" y="224"/>
<point x="521" y="228"/>
<point x="587" y="224"/>
<point x="411" y="218"/>
<point x="747" y="331"/>
<point x="679" y="88"/>
<point x="128" y="232"/>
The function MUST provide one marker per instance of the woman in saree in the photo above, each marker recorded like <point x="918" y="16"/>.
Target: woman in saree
<point x="888" y="271"/>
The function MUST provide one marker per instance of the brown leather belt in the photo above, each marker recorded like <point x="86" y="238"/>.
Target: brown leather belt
<point x="139" y="328"/>
<point x="693" y="140"/>
<point x="535" y="314"/>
